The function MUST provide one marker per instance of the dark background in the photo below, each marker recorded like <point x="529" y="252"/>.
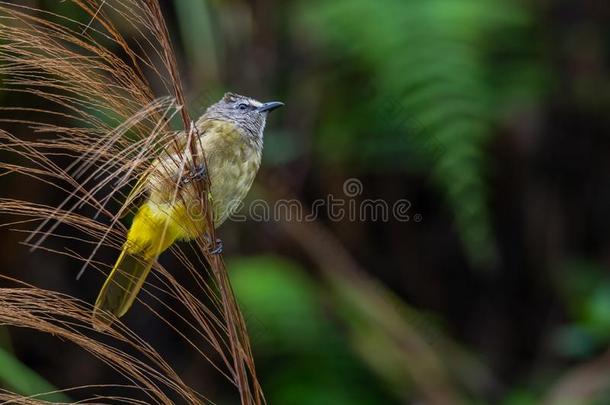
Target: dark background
<point x="489" y="117"/>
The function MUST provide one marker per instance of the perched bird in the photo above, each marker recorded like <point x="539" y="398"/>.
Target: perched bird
<point x="231" y="135"/>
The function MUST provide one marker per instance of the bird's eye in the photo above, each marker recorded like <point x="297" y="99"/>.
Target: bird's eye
<point x="242" y="106"/>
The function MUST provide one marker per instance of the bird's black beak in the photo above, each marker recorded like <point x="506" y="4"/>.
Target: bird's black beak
<point x="270" y="106"/>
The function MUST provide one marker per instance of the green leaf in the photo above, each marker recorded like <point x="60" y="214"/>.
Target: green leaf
<point x="278" y="302"/>
<point x="301" y="356"/>
<point x="20" y="379"/>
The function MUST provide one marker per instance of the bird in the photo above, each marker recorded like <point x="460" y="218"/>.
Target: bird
<point x="230" y="136"/>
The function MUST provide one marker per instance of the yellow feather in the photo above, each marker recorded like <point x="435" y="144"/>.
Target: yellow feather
<point x="153" y="231"/>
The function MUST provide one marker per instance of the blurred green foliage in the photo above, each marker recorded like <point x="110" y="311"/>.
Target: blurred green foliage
<point x="301" y="353"/>
<point x="18" y="378"/>
<point x="195" y="22"/>
<point x="585" y="287"/>
<point x="430" y="86"/>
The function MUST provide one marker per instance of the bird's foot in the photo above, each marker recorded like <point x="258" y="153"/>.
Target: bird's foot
<point x="218" y="248"/>
<point x="195" y="174"/>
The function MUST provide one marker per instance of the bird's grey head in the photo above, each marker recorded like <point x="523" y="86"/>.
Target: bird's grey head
<point x="248" y="114"/>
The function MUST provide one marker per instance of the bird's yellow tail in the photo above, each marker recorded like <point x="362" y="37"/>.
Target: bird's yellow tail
<point x="149" y="235"/>
<point x="121" y="287"/>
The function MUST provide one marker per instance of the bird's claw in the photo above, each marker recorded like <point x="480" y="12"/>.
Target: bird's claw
<point x="197" y="173"/>
<point x="218" y="247"/>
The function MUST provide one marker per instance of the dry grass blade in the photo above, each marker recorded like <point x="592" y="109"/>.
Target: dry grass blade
<point x="98" y="112"/>
<point x="69" y="319"/>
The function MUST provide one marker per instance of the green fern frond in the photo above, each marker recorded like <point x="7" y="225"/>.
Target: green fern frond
<point x="429" y="59"/>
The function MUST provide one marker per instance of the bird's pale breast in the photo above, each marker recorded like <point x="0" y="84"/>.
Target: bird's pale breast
<point x="232" y="163"/>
